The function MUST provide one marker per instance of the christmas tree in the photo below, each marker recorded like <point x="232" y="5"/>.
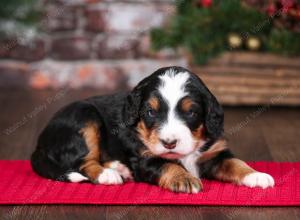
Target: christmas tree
<point x="207" y="28"/>
<point x="18" y="18"/>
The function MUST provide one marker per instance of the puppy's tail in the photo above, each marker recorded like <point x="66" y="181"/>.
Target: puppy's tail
<point x="44" y="167"/>
<point x="76" y="177"/>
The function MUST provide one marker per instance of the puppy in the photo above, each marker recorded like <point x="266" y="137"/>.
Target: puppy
<point x="167" y="131"/>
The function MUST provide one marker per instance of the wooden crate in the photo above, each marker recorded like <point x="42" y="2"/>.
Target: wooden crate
<point x="246" y="78"/>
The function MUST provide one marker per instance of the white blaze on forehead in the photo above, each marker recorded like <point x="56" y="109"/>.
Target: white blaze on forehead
<point x="172" y="86"/>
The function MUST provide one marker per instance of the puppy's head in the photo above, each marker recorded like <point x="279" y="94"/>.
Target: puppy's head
<point x="173" y="113"/>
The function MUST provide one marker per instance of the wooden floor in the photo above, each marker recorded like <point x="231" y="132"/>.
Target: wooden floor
<point x="256" y="133"/>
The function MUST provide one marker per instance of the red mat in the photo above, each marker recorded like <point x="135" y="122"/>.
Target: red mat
<point x="20" y="185"/>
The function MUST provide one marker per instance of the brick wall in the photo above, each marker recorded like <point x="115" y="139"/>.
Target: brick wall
<point x="89" y="43"/>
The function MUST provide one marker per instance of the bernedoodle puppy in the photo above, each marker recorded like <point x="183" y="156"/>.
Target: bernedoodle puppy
<point x="167" y="131"/>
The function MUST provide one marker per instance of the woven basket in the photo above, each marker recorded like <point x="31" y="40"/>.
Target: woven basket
<point x="246" y="78"/>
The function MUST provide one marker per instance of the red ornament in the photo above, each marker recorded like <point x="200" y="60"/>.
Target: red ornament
<point x="298" y="12"/>
<point x="287" y="5"/>
<point x="271" y="10"/>
<point x="206" y="3"/>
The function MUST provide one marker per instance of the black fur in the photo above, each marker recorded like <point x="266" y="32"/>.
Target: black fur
<point x="209" y="168"/>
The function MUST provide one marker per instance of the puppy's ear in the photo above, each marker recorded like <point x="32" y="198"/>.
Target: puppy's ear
<point x="131" y="111"/>
<point x="132" y="107"/>
<point x="214" y="115"/>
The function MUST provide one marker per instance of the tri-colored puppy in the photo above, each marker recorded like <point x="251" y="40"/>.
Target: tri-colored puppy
<point x="167" y="131"/>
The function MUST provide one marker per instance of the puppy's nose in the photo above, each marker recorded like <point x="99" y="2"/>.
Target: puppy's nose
<point x="169" y="144"/>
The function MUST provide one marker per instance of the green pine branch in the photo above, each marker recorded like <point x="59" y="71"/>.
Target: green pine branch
<point x="204" y="31"/>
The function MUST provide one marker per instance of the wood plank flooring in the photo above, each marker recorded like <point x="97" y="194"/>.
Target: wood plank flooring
<point x="254" y="133"/>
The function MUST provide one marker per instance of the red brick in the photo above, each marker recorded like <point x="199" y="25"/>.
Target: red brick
<point x="100" y="75"/>
<point x="117" y="46"/>
<point x="94" y="20"/>
<point x="71" y="48"/>
<point x="39" y="80"/>
<point x="32" y="51"/>
<point x="28" y="51"/>
<point x="104" y="76"/>
<point x="6" y="45"/>
<point x="60" y="18"/>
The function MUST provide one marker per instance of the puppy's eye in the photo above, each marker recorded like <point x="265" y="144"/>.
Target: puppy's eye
<point x="191" y="114"/>
<point x="151" y="113"/>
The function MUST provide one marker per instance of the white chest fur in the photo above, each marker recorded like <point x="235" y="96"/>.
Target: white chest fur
<point x="189" y="162"/>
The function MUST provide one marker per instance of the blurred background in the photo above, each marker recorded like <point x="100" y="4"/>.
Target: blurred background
<point x="53" y="52"/>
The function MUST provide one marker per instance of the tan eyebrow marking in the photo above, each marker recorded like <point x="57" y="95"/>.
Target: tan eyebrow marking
<point x="154" y="103"/>
<point x="186" y="104"/>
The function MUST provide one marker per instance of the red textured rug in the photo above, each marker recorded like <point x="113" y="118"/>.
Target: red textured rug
<point x="20" y="185"/>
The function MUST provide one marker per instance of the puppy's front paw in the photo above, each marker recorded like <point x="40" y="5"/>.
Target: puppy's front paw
<point x="184" y="184"/>
<point x="122" y="169"/>
<point x="175" y="178"/>
<point x="258" y="179"/>
<point x="109" y="177"/>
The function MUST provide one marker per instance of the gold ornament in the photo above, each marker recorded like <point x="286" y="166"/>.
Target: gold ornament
<point x="234" y="41"/>
<point x="253" y="43"/>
